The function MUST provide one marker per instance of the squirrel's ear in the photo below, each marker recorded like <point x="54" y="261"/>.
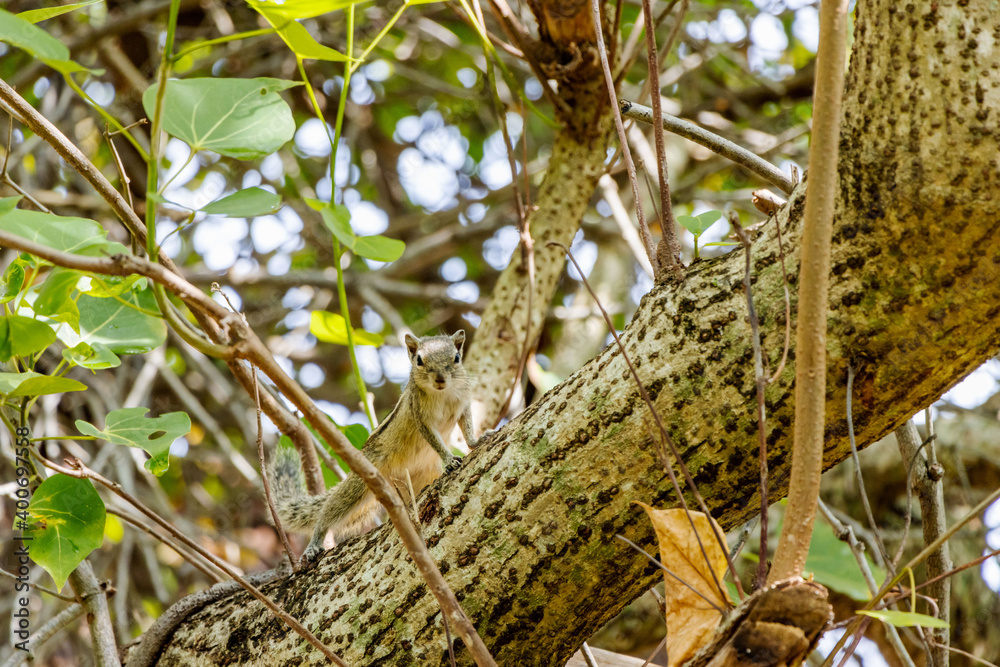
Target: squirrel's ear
<point x="459" y="338"/>
<point x="411" y="344"/>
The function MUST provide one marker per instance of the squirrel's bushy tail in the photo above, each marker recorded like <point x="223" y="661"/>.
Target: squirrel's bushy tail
<point x="298" y="510"/>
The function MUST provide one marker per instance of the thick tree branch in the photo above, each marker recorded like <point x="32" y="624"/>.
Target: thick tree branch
<point x="525" y="529"/>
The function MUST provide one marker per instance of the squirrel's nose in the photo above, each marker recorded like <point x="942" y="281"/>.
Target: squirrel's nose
<point x="439" y="380"/>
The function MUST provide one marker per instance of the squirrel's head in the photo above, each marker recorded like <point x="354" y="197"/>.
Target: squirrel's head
<point x="435" y="360"/>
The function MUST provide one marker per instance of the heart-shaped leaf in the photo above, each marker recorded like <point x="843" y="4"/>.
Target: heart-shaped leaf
<point x="241" y="118"/>
<point x="126" y="324"/>
<point x="70" y="524"/>
<point x="75" y="235"/>
<point x="130" y="426"/>
<point x="699" y="224"/>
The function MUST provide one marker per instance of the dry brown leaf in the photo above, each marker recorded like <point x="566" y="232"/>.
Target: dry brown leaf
<point x="691" y="619"/>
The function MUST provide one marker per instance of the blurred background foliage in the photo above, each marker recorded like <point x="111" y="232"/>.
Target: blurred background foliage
<point x="422" y="160"/>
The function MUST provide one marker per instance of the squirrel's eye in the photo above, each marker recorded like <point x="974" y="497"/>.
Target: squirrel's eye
<point x="457" y="360"/>
<point x="420" y="362"/>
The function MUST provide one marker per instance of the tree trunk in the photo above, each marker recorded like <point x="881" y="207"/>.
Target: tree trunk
<point x="579" y="151"/>
<point x="524" y="531"/>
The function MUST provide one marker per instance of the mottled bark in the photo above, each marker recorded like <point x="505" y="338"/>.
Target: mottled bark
<point x="565" y="52"/>
<point x="524" y="531"/>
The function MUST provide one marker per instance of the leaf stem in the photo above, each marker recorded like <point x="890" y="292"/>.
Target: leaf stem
<point x="221" y="40"/>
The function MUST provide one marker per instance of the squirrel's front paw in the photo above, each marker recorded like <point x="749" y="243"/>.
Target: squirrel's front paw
<point x="312" y="553"/>
<point x="452" y="464"/>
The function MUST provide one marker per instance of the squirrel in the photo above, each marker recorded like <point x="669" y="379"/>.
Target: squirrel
<point x="411" y="438"/>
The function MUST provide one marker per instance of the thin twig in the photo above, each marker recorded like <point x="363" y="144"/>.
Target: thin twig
<point x="622" y="138"/>
<point x="668" y="46"/>
<point x="663" y="642"/>
<point x="251" y="348"/>
<point x="846" y="534"/>
<point x="179" y="549"/>
<point x="916" y="560"/>
<point x="859" y="478"/>
<point x="668" y="252"/>
<point x="526" y="243"/>
<point x="927" y="480"/>
<point x="665" y="436"/>
<point x="713" y="142"/>
<point x="760" y="381"/>
<point x="788" y="305"/>
<point x="151" y="645"/>
<point x="667" y="570"/>
<point x="625" y="224"/>
<point x="48" y="591"/>
<point x="76" y="468"/>
<point x="126" y="181"/>
<point x="75" y="157"/>
<point x="522" y="37"/>
<point x="966" y="654"/>
<point x="954" y="571"/>
<point x="93" y="597"/>
<point x="45" y="633"/>
<point x="268" y="492"/>
<point x="447" y="636"/>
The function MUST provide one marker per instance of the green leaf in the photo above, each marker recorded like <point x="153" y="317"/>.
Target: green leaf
<point x="54" y="297"/>
<point x="13" y="385"/>
<point x="380" y="248"/>
<point x="28" y="37"/>
<point x="832" y="564"/>
<point x="699" y="224"/>
<point x="103" y="287"/>
<point x="297" y="37"/>
<point x="8" y="204"/>
<point x="120" y="323"/>
<point x="357" y="434"/>
<point x="905" y="619"/>
<point x="66" y="234"/>
<point x="331" y="328"/>
<point x="337" y="219"/>
<point x="22" y="336"/>
<point x="70" y="517"/>
<point x="12" y="280"/>
<point x="719" y="243"/>
<point x="130" y="426"/>
<point x="96" y="357"/>
<point x="245" y="204"/>
<point x="39" y="15"/>
<point x="300" y="9"/>
<point x="241" y="118"/>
